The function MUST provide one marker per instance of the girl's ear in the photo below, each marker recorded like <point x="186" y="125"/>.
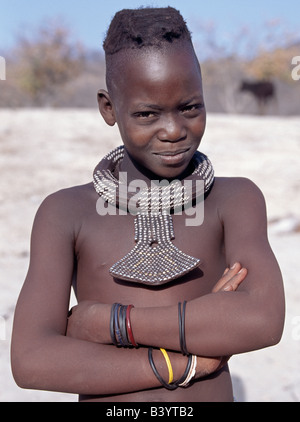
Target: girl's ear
<point x="106" y="107"/>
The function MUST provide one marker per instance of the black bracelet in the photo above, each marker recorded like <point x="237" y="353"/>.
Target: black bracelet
<point x="187" y="369"/>
<point x="181" y="322"/>
<point x="122" y="323"/>
<point x="159" y="377"/>
<point x="112" y="325"/>
<point x="117" y="325"/>
<point x="156" y="373"/>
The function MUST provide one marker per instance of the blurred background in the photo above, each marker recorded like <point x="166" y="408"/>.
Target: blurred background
<point x="54" y="56"/>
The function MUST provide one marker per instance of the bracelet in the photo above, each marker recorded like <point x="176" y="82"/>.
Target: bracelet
<point x="191" y="373"/>
<point x="117" y="326"/>
<point x="128" y="325"/>
<point x="122" y="322"/>
<point x="188" y="374"/>
<point x="156" y="373"/>
<point x="168" y="362"/>
<point x="120" y="326"/>
<point x="181" y="322"/>
<point x="112" y="325"/>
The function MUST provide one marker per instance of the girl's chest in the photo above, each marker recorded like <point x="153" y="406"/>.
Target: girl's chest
<point x="105" y="240"/>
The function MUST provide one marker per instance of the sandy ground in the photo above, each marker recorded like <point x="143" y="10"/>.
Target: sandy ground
<point x="42" y="151"/>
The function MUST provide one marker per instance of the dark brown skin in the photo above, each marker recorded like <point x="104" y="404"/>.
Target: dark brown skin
<point x="239" y="312"/>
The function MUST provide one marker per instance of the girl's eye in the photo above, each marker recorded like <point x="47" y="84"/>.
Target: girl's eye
<point x="145" y="114"/>
<point x="191" y="108"/>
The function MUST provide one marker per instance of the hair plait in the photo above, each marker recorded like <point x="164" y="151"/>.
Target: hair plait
<point x="145" y="27"/>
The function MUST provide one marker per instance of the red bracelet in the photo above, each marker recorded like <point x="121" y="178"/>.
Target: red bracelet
<point x="128" y="325"/>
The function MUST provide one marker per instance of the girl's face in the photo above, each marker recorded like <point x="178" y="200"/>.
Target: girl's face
<point x="157" y="102"/>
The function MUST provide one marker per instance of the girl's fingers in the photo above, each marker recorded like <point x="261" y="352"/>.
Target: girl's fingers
<point x="231" y="278"/>
<point x="235" y="281"/>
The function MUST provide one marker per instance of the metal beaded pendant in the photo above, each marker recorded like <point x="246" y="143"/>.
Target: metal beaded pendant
<point x="154" y="260"/>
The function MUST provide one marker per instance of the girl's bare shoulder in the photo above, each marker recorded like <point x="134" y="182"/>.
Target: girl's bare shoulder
<point x="68" y="204"/>
<point x="229" y="187"/>
<point x="239" y="198"/>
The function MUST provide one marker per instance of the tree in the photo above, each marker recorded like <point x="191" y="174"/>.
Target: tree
<point x="46" y="60"/>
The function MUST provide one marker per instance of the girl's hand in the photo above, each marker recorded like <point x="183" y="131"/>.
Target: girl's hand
<point x="231" y="279"/>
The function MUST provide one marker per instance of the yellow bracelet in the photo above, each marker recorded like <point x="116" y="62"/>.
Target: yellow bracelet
<point x="170" y="369"/>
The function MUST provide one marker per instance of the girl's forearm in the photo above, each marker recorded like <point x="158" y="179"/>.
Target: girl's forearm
<point x="74" y="366"/>
<point x="220" y="324"/>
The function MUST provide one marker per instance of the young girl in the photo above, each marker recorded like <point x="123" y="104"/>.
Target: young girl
<point x="162" y="303"/>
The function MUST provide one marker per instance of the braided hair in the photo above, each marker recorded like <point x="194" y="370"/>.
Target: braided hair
<point x="145" y="27"/>
<point x="137" y="30"/>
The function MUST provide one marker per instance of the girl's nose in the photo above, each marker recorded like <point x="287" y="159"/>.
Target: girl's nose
<point x="172" y="129"/>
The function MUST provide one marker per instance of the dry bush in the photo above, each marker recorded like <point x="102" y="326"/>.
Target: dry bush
<point x="272" y="64"/>
<point x="49" y="68"/>
<point x="45" y="60"/>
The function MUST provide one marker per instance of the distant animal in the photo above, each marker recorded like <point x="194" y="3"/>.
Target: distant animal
<point x="263" y="92"/>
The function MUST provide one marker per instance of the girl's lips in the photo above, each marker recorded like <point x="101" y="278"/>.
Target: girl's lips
<point x="172" y="157"/>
